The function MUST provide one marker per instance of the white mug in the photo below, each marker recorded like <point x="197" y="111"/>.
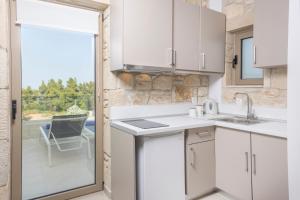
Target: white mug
<point x="192" y="112"/>
<point x="200" y="111"/>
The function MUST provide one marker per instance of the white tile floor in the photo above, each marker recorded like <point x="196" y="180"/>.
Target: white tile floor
<point x="102" y="196"/>
<point x="217" y="196"/>
<point x="94" y="196"/>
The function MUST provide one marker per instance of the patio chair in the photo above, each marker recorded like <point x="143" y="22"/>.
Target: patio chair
<point x="66" y="132"/>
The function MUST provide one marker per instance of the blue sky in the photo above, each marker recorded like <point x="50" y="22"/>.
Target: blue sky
<point x="56" y="54"/>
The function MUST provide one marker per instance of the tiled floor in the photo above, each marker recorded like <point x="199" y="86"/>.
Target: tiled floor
<point x="217" y="196"/>
<point x="102" y="196"/>
<point x="94" y="196"/>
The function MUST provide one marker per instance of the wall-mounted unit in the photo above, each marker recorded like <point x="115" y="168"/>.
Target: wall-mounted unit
<point x="199" y="39"/>
<point x="163" y="36"/>
<point x="271" y="33"/>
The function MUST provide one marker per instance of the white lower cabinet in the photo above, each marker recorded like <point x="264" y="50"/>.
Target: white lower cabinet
<point x="200" y="162"/>
<point x="270" y="169"/>
<point x="233" y="165"/>
<point x="251" y="166"/>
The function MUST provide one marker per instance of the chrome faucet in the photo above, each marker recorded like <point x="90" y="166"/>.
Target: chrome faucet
<point x="250" y="114"/>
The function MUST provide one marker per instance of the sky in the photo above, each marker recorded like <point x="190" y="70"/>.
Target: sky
<point x="56" y="54"/>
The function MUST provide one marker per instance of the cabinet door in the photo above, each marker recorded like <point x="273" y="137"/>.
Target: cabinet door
<point x="271" y="32"/>
<point x="148" y="32"/>
<point x="270" y="169"/>
<point x="212" y="43"/>
<point x="200" y="166"/>
<point x="233" y="165"/>
<point x="186" y="35"/>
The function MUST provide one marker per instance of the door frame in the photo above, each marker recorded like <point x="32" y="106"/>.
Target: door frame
<point x="16" y="125"/>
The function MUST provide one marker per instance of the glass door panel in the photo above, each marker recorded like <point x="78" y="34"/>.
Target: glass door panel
<point x="58" y="110"/>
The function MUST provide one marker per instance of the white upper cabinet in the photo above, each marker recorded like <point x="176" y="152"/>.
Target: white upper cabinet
<point x="199" y="38"/>
<point x="271" y="33"/>
<point x="141" y="33"/>
<point x="147" y="32"/>
<point x="168" y="34"/>
<point x="212" y="43"/>
<point x="186" y="36"/>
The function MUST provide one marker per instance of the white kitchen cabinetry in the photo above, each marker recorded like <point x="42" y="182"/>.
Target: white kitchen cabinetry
<point x="123" y="166"/>
<point x="200" y="162"/>
<point x="233" y="164"/>
<point x="199" y="38"/>
<point x="271" y="33"/>
<point x="147" y="167"/>
<point x="161" y="35"/>
<point x="212" y="42"/>
<point x="141" y="33"/>
<point x="242" y="156"/>
<point x="186" y="35"/>
<point x="270" y="169"/>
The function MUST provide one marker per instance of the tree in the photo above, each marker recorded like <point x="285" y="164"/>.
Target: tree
<point x="54" y="96"/>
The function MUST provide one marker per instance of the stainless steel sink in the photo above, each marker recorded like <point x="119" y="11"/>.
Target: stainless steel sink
<point x="240" y="120"/>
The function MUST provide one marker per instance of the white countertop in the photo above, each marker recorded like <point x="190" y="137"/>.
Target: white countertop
<point x="183" y="122"/>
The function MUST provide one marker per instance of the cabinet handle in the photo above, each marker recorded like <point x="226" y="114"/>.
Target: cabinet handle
<point x="247" y="161"/>
<point x="174" y="57"/>
<point x="193" y="157"/>
<point x="254" y="54"/>
<point x="203" y="134"/>
<point x="170" y="56"/>
<point x="254" y="164"/>
<point x="203" y="60"/>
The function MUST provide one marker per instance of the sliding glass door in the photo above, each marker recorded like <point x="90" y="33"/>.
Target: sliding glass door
<point x="57" y="123"/>
<point x="58" y="110"/>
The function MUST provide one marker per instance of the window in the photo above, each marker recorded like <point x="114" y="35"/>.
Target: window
<point x="245" y="72"/>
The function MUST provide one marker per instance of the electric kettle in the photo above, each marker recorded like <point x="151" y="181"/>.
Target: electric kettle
<point x="210" y="107"/>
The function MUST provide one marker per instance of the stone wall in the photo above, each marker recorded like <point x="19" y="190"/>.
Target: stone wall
<point x="240" y="14"/>
<point x="4" y="102"/>
<point x="124" y="89"/>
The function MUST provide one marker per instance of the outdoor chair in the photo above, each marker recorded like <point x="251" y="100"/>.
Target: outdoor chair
<point x="66" y="133"/>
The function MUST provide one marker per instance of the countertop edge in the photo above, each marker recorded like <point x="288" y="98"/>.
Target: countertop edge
<point x="147" y="132"/>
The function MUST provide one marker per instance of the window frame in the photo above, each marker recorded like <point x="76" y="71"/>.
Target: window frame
<point x="239" y="36"/>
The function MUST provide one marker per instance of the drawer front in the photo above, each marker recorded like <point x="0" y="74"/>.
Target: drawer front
<point x="200" y="135"/>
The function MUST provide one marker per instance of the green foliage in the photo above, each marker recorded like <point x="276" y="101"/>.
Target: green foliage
<point x="54" y="96"/>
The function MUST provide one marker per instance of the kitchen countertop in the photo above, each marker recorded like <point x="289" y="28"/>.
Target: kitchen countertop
<point x="183" y="122"/>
